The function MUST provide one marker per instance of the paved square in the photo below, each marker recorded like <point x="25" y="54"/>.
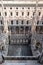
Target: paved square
<point x="21" y="62"/>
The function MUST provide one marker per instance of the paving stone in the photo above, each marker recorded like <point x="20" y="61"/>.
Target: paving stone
<point x="23" y="62"/>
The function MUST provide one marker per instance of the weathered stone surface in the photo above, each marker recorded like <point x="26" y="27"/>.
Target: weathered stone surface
<point x="21" y="62"/>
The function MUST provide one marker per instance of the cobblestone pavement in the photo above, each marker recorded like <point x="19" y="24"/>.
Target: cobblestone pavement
<point x="21" y="62"/>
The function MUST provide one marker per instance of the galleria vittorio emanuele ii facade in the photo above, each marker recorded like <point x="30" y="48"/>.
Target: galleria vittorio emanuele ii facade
<point x="21" y="32"/>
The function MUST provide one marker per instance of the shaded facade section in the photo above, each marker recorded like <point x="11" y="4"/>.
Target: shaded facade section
<point x="19" y="50"/>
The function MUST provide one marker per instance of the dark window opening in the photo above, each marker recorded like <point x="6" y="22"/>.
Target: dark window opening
<point x="27" y="22"/>
<point x="17" y="30"/>
<point x="22" y="13"/>
<point x="1" y="22"/>
<point x="39" y="13"/>
<point x="11" y="21"/>
<point x="17" y="13"/>
<point x="5" y="13"/>
<point x="22" y="22"/>
<point x="33" y="13"/>
<point x="37" y="22"/>
<point x="21" y="29"/>
<point x="26" y="28"/>
<point x="17" y="22"/>
<point x="11" y="13"/>
<point x="0" y="13"/>
<point x="28" y="14"/>
<point x="42" y="22"/>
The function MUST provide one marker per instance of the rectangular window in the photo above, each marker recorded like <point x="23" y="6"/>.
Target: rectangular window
<point x="22" y="13"/>
<point x="27" y="22"/>
<point x="37" y="22"/>
<point x="39" y="13"/>
<point x="11" y="21"/>
<point x="33" y="13"/>
<point x="11" y="13"/>
<point x="0" y="13"/>
<point x="42" y="22"/>
<point x="28" y="14"/>
<point x="16" y="13"/>
<point x="1" y="22"/>
<point x="22" y="22"/>
<point x="5" y="13"/>
<point x="17" y="22"/>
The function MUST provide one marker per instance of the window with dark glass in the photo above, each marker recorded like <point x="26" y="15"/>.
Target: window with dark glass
<point x="17" y="22"/>
<point x="26" y="28"/>
<point x="42" y="22"/>
<point x="22" y="22"/>
<point x="27" y="13"/>
<point x="22" y="28"/>
<point x="5" y="13"/>
<point x="11" y="13"/>
<point x="1" y="22"/>
<point x="33" y="13"/>
<point x="16" y="13"/>
<point x="27" y="22"/>
<point x="22" y="13"/>
<point x="11" y="21"/>
<point x="0" y="13"/>
<point x="37" y="22"/>
<point x="39" y="13"/>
